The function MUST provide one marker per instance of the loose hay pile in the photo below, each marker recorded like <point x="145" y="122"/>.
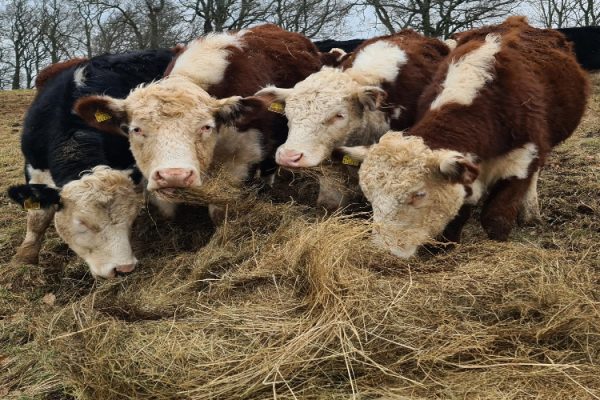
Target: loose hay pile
<point x="280" y="303"/>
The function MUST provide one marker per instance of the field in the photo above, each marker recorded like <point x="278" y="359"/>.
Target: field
<point x="281" y="303"/>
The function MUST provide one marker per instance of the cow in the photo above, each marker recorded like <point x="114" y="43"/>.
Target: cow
<point x="374" y="90"/>
<point x="195" y="120"/>
<point x="586" y="43"/>
<point x="77" y="174"/>
<point x="497" y="105"/>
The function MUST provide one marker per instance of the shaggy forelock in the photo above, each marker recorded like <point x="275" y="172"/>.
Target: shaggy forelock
<point x="168" y="98"/>
<point x="397" y="164"/>
<point x="320" y="92"/>
<point x="102" y="186"/>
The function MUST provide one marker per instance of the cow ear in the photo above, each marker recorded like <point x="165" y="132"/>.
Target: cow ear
<point x="104" y="113"/>
<point x="238" y="110"/>
<point x="272" y="94"/>
<point x="371" y="97"/>
<point x="333" y="58"/>
<point x="458" y="167"/>
<point x="34" y="197"/>
<point x="350" y="154"/>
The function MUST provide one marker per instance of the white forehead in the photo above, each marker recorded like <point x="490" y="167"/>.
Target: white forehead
<point x="173" y="97"/>
<point x="397" y="164"/>
<point x="101" y="186"/>
<point x="320" y="91"/>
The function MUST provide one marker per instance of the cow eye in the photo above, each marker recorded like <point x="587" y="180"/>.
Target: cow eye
<point x="137" y="130"/>
<point x="416" y="197"/>
<point x="206" y="129"/>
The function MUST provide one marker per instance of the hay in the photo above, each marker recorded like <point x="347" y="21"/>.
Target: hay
<point x="281" y="303"/>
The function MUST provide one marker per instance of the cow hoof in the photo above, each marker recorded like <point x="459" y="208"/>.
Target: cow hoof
<point x="528" y="217"/>
<point x="26" y="255"/>
<point x="497" y="228"/>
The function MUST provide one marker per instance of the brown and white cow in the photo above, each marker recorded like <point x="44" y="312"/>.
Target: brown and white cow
<point x="504" y="97"/>
<point x="194" y="119"/>
<point x="375" y="88"/>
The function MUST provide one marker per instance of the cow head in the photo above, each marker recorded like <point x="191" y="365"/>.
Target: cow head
<point x="94" y="216"/>
<point x="415" y="191"/>
<point x="326" y="111"/>
<point x="172" y="126"/>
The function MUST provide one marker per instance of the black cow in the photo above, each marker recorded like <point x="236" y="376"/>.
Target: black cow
<point x="586" y="41"/>
<point x="348" y="46"/>
<point x="82" y="174"/>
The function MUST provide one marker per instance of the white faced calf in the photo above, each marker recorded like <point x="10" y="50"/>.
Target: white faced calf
<point x="93" y="215"/>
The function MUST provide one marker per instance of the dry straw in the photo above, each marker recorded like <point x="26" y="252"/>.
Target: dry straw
<point x="280" y="303"/>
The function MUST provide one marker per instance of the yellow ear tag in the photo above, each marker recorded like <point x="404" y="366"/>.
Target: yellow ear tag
<point x="101" y="116"/>
<point x="347" y="160"/>
<point x="30" y="204"/>
<point x="278" y="108"/>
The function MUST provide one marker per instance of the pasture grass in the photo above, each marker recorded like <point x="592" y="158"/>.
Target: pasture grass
<point x="281" y="302"/>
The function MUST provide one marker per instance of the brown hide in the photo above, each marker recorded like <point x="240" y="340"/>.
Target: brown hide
<point x="52" y="70"/>
<point x="424" y="56"/>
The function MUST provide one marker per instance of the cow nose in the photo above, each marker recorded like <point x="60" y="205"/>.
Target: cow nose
<point x="174" y="177"/>
<point x="125" y="268"/>
<point x="288" y="158"/>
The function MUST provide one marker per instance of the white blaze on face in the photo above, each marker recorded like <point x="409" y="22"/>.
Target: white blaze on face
<point x="469" y="74"/>
<point x="412" y="199"/>
<point x="96" y="217"/>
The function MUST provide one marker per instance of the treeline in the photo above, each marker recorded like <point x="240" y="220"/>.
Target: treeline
<point x="36" y="33"/>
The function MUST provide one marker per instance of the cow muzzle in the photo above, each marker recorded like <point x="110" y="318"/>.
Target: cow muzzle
<point x="289" y="158"/>
<point x="172" y="178"/>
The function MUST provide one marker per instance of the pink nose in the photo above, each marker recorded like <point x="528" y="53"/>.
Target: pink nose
<point x="127" y="268"/>
<point x="174" y="177"/>
<point x="288" y="158"/>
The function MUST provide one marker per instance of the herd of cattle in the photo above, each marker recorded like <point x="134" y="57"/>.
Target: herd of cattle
<point x="437" y="126"/>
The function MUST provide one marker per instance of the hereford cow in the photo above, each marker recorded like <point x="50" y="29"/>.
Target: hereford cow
<point x="187" y="124"/>
<point x="503" y="98"/>
<point x="376" y="88"/>
<point x="77" y="174"/>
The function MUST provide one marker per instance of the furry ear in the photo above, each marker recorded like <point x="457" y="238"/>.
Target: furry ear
<point x="271" y="94"/>
<point x="104" y="113"/>
<point x="348" y="154"/>
<point x="334" y="57"/>
<point x="458" y="167"/>
<point x="34" y="197"/>
<point x="238" y="110"/>
<point x="371" y="97"/>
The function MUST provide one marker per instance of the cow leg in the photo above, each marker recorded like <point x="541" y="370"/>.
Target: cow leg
<point x="453" y="230"/>
<point x="502" y="206"/>
<point x="37" y="223"/>
<point x="331" y="195"/>
<point x="451" y="235"/>
<point x="529" y="211"/>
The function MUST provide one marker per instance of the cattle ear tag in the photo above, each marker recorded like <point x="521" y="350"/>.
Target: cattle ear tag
<point x="31" y="204"/>
<point x="278" y="108"/>
<point x="347" y="160"/>
<point x="101" y="116"/>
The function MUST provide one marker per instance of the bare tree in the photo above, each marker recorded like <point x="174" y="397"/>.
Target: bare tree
<point x="588" y="12"/>
<point x="20" y="19"/>
<point x="221" y="15"/>
<point x="310" y="17"/>
<point x="439" y="18"/>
